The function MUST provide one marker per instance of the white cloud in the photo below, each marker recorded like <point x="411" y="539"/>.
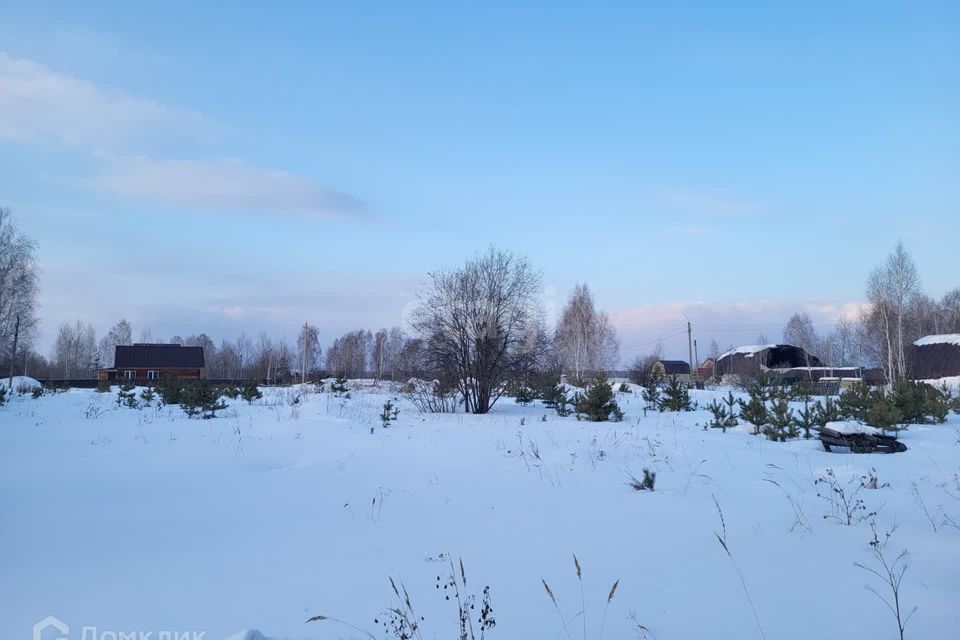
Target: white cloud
<point x="37" y="103"/>
<point x="231" y="185"/>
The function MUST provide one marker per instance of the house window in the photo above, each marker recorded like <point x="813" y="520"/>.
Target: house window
<point x="153" y="375"/>
<point x="130" y="375"/>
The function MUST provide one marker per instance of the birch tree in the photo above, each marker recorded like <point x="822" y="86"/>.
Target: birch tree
<point x="19" y="278"/>
<point x="585" y="340"/>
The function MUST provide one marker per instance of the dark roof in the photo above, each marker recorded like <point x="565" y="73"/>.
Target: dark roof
<point x="160" y="356"/>
<point x="675" y="367"/>
<point x="935" y="357"/>
<point x="749" y="360"/>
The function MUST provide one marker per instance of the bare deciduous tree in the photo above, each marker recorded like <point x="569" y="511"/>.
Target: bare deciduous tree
<point x="19" y="276"/>
<point x="308" y="346"/>
<point x="475" y="321"/>
<point x="585" y="341"/>
<point x="890" y="288"/>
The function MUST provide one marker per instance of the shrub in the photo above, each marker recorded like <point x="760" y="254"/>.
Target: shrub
<point x="3" y="395"/>
<point x="826" y="411"/>
<point x="646" y="484"/>
<point x="676" y="396"/>
<point x="389" y="413"/>
<point x="127" y="396"/>
<point x="37" y="392"/>
<point x="855" y="402"/>
<point x="202" y="399"/>
<point x="754" y="411"/>
<point x="556" y="398"/>
<point x="103" y="386"/>
<point x="524" y="395"/>
<point x="250" y="391"/>
<point x="598" y="403"/>
<point x="781" y="423"/>
<point x="339" y="387"/>
<point x="169" y="389"/>
<point x="147" y="395"/>
<point x="883" y="413"/>
<point x="723" y="416"/>
<point x="651" y="395"/>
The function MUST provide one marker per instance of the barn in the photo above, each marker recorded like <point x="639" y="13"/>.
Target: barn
<point x="752" y="359"/>
<point x="661" y="369"/>
<point x="936" y="356"/>
<point x="146" y="363"/>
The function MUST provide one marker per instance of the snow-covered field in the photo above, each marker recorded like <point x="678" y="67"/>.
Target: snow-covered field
<point x="140" y="520"/>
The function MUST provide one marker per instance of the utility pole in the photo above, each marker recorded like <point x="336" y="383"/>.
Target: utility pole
<point x="695" y="365"/>
<point x="690" y="343"/>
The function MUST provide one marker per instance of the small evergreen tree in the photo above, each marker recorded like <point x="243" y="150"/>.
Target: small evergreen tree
<point x="339" y="387"/>
<point x="651" y="394"/>
<point x="754" y="411"/>
<point x="826" y="411"/>
<point x="781" y="423"/>
<point x="169" y="388"/>
<point x="147" y="396"/>
<point x="200" y="398"/>
<point x="807" y="418"/>
<point x="598" y="403"/>
<point x="676" y="396"/>
<point x="389" y="413"/>
<point x="556" y="397"/>
<point x="883" y="413"/>
<point x="127" y="396"/>
<point x="731" y="405"/>
<point x="103" y="386"/>
<point x="524" y="395"/>
<point x="855" y="402"/>
<point x="250" y="391"/>
<point x="720" y="416"/>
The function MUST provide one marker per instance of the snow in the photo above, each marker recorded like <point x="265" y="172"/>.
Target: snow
<point x="750" y="350"/>
<point x="140" y="520"/>
<point x="952" y="382"/>
<point x="944" y="338"/>
<point x="21" y="383"/>
<point x="850" y="427"/>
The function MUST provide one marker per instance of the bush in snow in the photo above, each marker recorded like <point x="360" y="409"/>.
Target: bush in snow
<point x="339" y="387"/>
<point x="202" y="399"/>
<point x="127" y="396"/>
<point x="556" y="398"/>
<point x="754" y="410"/>
<point x="651" y="394"/>
<point x="646" y="484"/>
<point x="389" y="413"/>
<point x="250" y="391"/>
<point x="846" y="505"/>
<point x="3" y="395"/>
<point x="524" y="395"/>
<point x="37" y="392"/>
<point x="434" y="396"/>
<point x="598" y="403"/>
<point x="781" y="424"/>
<point x="103" y="386"/>
<point x="724" y="413"/>
<point x="147" y="396"/>
<point x="169" y="389"/>
<point x="855" y="401"/>
<point x="676" y="396"/>
<point x="826" y="411"/>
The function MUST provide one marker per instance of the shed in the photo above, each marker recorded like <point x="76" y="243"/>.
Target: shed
<point x="936" y="356"/>
<point x="668" y="368"/>
<point x="752" y="359"/>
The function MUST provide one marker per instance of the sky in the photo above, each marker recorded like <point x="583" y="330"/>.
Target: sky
<point x="202" y="167"/>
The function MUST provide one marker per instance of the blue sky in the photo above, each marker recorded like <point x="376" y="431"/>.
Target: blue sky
<point x="197" y="168"/>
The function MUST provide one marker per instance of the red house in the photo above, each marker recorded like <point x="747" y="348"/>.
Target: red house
<point x="148" y="363"/>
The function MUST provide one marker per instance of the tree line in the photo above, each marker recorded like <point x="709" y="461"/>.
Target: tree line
<point x="478" y="328"/>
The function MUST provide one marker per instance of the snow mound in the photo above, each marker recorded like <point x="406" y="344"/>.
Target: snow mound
<point x="943" y="338"/>
<point x="849" y="427"/>
<point x="24" y="383"/>
<point x="250" y="634"/>
<point x="750" y="350"/>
